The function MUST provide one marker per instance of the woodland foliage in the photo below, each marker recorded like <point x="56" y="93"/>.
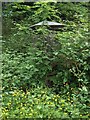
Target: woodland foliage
<point x="45" y="73"/>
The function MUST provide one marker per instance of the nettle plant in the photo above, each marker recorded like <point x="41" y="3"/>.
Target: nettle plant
<point x="56" y="58"/>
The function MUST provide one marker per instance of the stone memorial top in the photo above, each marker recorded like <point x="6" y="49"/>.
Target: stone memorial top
<point x="51" y="25"/>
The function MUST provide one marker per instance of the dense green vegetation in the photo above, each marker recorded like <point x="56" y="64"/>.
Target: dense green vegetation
<point x="45" y="73"/>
